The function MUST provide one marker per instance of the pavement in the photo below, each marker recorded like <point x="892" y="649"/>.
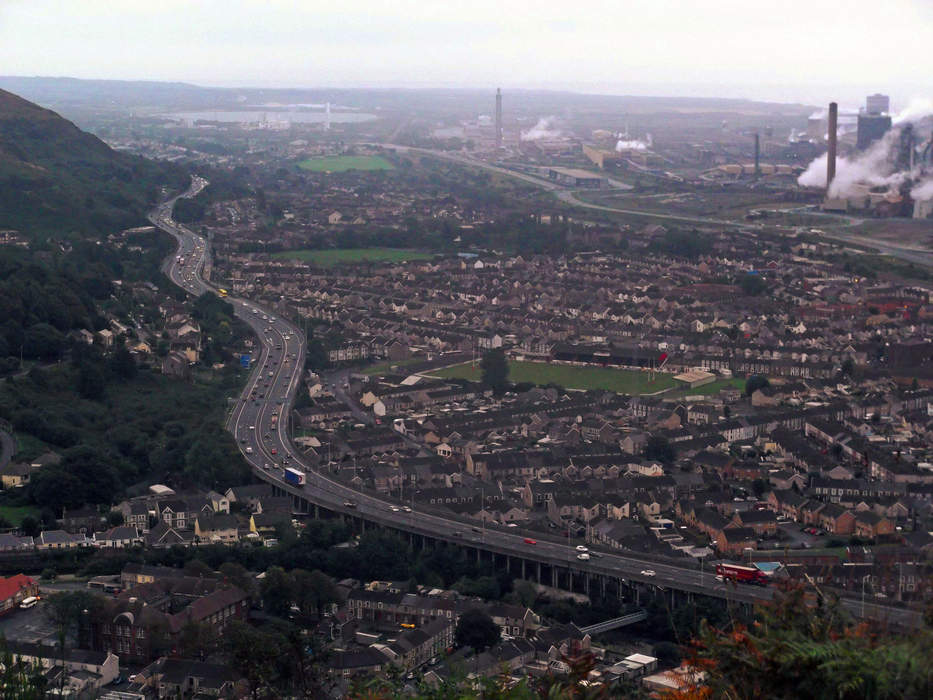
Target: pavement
<point x="259" y="421"/>
<point x="27" y="625"/>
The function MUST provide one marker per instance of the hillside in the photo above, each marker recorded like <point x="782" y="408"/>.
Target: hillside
<point x="57" y="179"/>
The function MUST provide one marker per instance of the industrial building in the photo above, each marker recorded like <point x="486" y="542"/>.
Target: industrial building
<point x="871" y="128"/>
<point x="575" y="177"/>
<point x="877" y="104"/>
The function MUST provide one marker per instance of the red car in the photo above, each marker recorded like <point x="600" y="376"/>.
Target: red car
<point x="528" y="540"/>
<point x="274" y="451"/>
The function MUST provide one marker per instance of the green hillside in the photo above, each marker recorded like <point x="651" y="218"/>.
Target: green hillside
<point x="56" y="179"/>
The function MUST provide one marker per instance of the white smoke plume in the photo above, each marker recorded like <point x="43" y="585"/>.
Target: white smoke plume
<point x="917" y="109"/>
<point x="922" y="191"/>
<point x="633" y="144"/>
<point x="876" y="167"/>
<point x="873" y="168"/>
<point x="543" y="130"/>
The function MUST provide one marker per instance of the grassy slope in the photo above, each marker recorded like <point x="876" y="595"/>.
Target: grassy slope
<point x="55" y="178"/>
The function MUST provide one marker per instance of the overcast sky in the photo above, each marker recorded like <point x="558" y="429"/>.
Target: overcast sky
<point x="788" y="50"/>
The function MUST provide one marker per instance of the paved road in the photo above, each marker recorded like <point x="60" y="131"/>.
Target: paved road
<point x="256" y="422"/>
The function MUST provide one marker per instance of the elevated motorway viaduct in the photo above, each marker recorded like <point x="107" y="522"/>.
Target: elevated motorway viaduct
<point x="259" y="423"/>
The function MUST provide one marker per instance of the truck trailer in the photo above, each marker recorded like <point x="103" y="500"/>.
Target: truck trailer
<point x="742" y="574"/>
<point x="294" y="477"/>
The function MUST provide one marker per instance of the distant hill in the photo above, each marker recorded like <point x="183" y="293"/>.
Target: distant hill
<point x="56" y="179"/>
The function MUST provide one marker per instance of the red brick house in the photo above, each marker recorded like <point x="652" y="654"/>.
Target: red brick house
<point x="872" y="525"/>
<point x="836" y="520"/>
<point x="14" y="590"/>
<point x="735" y="540"/>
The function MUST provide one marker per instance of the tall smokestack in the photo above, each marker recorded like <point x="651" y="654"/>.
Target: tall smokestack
<point x="757" y="155"/>
<point x="831" y="152"/>
<point x="498" y="118"/>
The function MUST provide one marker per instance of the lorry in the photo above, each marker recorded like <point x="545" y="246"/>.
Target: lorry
<point x="742" y="574"/>
<point x="294" y="477"/>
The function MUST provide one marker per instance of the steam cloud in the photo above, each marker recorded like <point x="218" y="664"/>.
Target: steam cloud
<point x="923" y="191"/>
<point x="876" y="166"/>
<point x="633" y="144"/>
<point x="916" y="110"/>
<point x="542" y="131"/>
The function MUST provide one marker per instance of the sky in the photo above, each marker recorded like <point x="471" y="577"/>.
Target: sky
<point x="789" y="50"/>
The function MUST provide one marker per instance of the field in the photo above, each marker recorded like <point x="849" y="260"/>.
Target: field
<point x="341" y="164"/>
<point x="622" y="381"/>
<point x="15" y="514"/>
<point x="345" y="256"/>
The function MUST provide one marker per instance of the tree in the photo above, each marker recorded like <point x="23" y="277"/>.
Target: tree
<point x="115" y="518"/>
<point x="752" y="284"/>
<point x="278" y="591"/>
<point x="477" y="630"/>
<point x="754" y="383"/>
<point x="30" y="526"/>
<point x="795" y="650"/>
<point x="122" y="363"/>
<point x="495" y="368"/>
<point x="659" y="447"/>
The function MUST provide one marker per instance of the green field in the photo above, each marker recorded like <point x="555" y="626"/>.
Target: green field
<point x="622" y="381"/>
<point x="15" y="514"/>
<point x="385" y="367"/>
<point x="346" y="256"/>
<point x="341" y="164"/>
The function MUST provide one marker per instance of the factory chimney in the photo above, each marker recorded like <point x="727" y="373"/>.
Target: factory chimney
<point x="831" y="152"/>
<point x="757" y="155"/>
<point x="498" y="118"/>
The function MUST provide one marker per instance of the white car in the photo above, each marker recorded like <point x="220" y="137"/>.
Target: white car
<point x="406" y="509"/>
<point x="394" y="509"/>
<point x="583" y="556"/>
<point x="647" y="572"/>
<point x="581" y="548"/>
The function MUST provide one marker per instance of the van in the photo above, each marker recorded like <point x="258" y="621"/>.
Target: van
<point x="29" y="602"/>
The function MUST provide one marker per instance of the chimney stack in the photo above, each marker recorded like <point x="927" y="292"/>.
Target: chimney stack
<point x="831" y="152"/>
<point x="498" y="118"/>
<point x="757" y="155"/>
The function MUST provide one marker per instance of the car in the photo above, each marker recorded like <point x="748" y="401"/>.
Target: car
<point x="394" y="509"/>
<point x="274" y="451"/>
<point x="252" y="427"/>
<point x="406" y="509"/>
<point x="583" y="556"/>
<point x="349" y="504"/>
<point x="457" y="533"/>
<point x="475" y="529"/>
<point x="528" y="540"/>
<point x="581" y="548"/>
<point x="511" y="525"/>
<point x="647" y="572"/>
<point x="595" y="554"/>
<point x="266" y="466"/>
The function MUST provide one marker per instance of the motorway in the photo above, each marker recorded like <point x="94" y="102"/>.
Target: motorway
<point x="258" y="425"/>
